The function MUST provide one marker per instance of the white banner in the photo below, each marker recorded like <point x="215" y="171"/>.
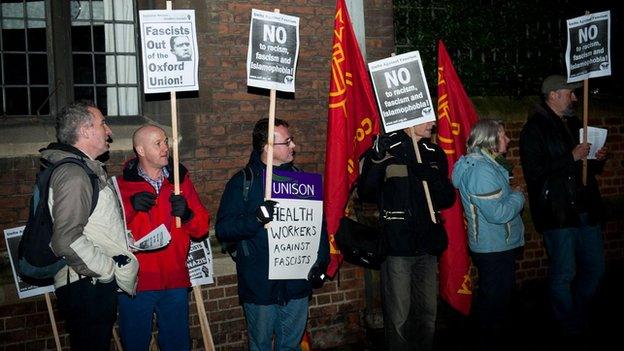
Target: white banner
<point x="401" y="90"/>
<point x="273" y="50"/>
<point x="588" y="53"/>
<point x="199" y="263"/>
<point x="169" y="50"/>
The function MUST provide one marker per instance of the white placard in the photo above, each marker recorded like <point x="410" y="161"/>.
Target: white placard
<point x="402" y="92"/>
<point x="169" y="50"/>
<point x="12" y="237"/>
<point x="273" y="50"/>
<point x="596" y="137"/>
<point x="588" y="53"/>
<point x="199" y="263"/>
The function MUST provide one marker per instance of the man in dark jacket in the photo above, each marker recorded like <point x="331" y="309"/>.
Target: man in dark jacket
<point x="277" y="307"/>
<point x="392" y="178"/>
<point x="567" y="212"/>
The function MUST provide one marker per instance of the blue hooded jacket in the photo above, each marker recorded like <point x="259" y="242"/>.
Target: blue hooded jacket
<point x="492" y="208"/>
<point x="236" y="222"/>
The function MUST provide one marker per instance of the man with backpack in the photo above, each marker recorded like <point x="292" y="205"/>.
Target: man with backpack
<point x="277" y="307"/>
<point x="94" y="245"/>
<point x="147" y="191"/>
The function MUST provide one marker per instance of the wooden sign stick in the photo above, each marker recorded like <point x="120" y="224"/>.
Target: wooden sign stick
<point x="57" y="341"/>
<point x="585" y="119"/>
<point x="424" y="182"/>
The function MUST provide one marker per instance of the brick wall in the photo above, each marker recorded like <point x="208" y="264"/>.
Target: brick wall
<point x="216" y="123"/>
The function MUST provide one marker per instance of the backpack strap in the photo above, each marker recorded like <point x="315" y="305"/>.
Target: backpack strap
<point x="248" y="178"/>
<point x="80" y="162"/>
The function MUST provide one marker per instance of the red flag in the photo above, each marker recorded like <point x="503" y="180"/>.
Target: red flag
<point x="456" y="116"/>
<point x="352" y="122"/>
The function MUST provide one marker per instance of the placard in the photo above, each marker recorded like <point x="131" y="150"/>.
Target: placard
<point x="169" y="50"/>
<point x="273" y="50"/>
<point x="295" y="232"/>
<point x="200" y="264"/>
<point x="588" y="53"/>
<point x="12" y="237"/>
<point x="401" y="90"/>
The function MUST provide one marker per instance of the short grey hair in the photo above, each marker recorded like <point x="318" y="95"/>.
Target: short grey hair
<point x="71" y="118"/>
<point x="484" y="135"/>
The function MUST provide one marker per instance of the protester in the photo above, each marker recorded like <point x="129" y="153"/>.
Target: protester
<point x="567" y="212"/>
<point x="93" y="245"/>
<point x="392" y="178"/>
<point x="147" y="191"/>
<point x="277" y="307"/>
<point x="495" y="229"/>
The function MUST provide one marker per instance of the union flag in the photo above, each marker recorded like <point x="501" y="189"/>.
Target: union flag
<point x="352" y="122"/>
<point x="456" y="116"/>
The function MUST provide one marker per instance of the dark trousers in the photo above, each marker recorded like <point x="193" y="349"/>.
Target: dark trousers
<point x="89" y="310"/>
<point x="497" y="275"/>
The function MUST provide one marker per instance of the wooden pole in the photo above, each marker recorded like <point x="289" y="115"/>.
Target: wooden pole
<point x="57" y="341"/>
<point x="424" y="182"/>
<point x="203" y="319"/>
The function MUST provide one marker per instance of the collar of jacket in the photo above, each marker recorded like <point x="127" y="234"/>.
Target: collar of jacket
<point x="256" y="163"/>
<point x="131" y="171"/>
<point x="66" y="148"/>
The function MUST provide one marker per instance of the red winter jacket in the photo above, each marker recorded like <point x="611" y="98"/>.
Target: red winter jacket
<point x="164" y="268"/>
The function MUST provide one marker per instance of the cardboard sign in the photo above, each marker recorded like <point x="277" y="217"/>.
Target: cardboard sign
<point x="199" y="263"/>
<point x="295" y="232"/>
<point x="588" y="53"/>
<point x="273" y="50"/>
<point x="401" y="90"/>
<point x="169" y="50"/>
<point x="24" y="290"/>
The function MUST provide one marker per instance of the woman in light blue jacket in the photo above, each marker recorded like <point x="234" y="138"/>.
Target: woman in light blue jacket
<point x="495" y="229"/>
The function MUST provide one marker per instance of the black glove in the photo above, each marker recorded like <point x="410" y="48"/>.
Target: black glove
<point x="179" y="207"/>
<point x="143" y="201"/>
<point x="121" y="260"/>
<point x="385" y="144"/>
<point x="264" y="213"/>
<point x="424" y="172"/>
<point x="316" y="277"/>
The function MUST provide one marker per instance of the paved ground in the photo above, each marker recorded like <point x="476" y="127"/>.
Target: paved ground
<point x="532" y="326"/>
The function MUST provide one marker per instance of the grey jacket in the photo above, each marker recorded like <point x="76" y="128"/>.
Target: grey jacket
<point x="87" y="242"/>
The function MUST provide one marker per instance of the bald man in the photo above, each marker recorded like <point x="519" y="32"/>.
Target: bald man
<point x="147" y="191"/>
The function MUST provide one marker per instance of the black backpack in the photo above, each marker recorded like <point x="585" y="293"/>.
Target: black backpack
<point x="230" y="247"/>
<point x="36" y="263"/>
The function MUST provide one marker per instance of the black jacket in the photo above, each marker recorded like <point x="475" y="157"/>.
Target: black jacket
<point x="394" y="183"/>
<point x="554" y="180"/>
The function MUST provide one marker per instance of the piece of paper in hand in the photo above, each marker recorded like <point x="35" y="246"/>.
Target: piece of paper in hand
<point x="596" y="137"/>
<point x="156" y="239"/>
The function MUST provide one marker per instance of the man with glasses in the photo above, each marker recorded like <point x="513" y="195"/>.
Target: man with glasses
<point x="272" y="307"/>
<point x="566" y="211"/>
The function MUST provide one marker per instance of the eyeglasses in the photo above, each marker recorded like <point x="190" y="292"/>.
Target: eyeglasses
<point x="287" y="142"/>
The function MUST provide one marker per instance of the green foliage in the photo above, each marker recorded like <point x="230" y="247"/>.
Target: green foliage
<point x="498" y="47"/>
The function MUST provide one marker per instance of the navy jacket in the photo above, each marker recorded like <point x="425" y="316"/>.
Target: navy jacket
<point x="236" y="222"/>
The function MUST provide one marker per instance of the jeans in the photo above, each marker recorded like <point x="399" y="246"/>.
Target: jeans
<point x="287" y="322"/>
<point x="89" y="310"/>
<point x="577" y="265"/>
<point x="497" y="277"/>
<point x="409" y="289"/>
<point x="172" y="317"/>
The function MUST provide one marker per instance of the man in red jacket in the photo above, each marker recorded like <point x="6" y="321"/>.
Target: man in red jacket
<point x="147" y="191"/>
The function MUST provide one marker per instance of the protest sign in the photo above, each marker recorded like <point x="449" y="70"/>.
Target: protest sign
<point x="402" y="93"/>
<point x="169" y="50"/>
<point x="273" y="49"/>
<point x="12" y="237"/>
<point x="199" y="263"/>
<point x="295" y="232"/>
<point x="588" y="53"/>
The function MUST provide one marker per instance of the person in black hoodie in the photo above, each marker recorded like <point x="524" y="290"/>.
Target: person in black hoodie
<point x="277" y="307"/>
<point x="567" y="212"/>
<point x="392" y="178"/>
